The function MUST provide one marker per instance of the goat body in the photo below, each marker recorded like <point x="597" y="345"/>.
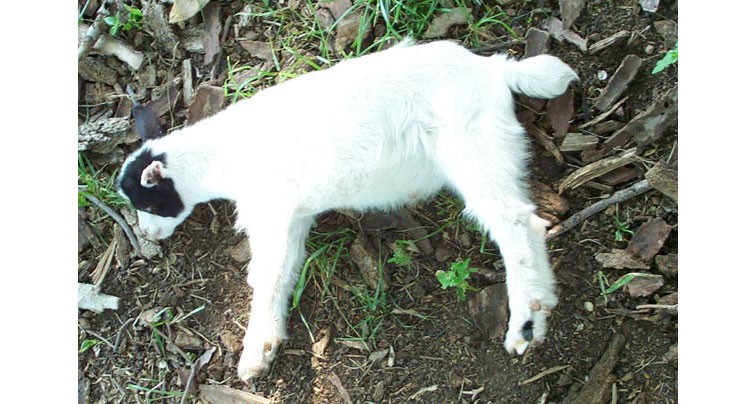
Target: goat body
<point x="377" y="131"/>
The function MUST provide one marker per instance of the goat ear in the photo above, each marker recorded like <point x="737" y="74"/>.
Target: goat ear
<point x="153" y="174"/>
<point x="147" y="123"/>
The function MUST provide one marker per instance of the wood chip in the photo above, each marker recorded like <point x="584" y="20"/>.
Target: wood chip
<point x="544" y="140"/>
<point x="624" y="74"/>
<point x="443" y="21"/>
<point x="217" y="394"/>
<point x="577" y="142"/>
<point x="559" y="111"/>
<point x="649" y="239"/>
<point x="651" y="124"/>
<point x="109" y="45"/>
<point x="183" y="10"/>
<point x="415" y="230"/>
<point x="596" y="169"/>
<point x="211" y="35"/>
<point x="543" y="374"/>
<point x="667" y="264"/>
<point x="92" y="69"/>
<point x="663" y="180"/>
<point x="187" y="75"/>
<point x="104" y="135"/>
<point x="208" y="101"/>
<point x="620" y="176"/>
<point x="607" y="42"/>
<point x="155" y="24"/>
<point x="343" y="393"/>
<point x="536" y="42"/>
<point x="258" y="49"/>
<point x="570" y="10"/>
<point x="603" y="116"/>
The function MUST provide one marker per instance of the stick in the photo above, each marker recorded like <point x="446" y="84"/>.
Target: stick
<point x="597" y="389"/>
<point x="94" y="32"/>
<point x="125" y="226"/>
<point x="543" y="374"/>
<point x="636" y="189"/>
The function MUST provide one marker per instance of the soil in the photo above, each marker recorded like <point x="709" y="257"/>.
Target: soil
<point x="419" y="344"/>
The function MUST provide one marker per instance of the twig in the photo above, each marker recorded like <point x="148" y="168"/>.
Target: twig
<point x="94" y="32"/>
<point x="636" y="189"/>
<point x="543" y="374"/>
<point x="100" y="337"/>
<point x="120" y="331"/>
<point x="125" y="226"/>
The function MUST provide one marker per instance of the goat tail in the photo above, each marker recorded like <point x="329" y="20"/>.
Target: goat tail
<point x="542" y="76"/>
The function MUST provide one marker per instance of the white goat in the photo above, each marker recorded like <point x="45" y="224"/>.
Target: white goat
<point x="373" y="132"/>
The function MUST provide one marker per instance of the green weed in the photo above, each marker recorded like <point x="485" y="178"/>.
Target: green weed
<point x="87" y="344"/>
<point x="619" y="283"/>
<point x="132" y="19"/>
<point x="456" y="277"/>
<point x="620" y="228"/>
<point x="669" y="59"/>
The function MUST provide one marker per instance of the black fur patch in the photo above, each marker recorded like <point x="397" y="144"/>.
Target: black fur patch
<point x="527" y="331"/>
<point x="162" y="199"/>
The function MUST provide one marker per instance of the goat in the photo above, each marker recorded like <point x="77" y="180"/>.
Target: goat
<point x="373" y="132"/>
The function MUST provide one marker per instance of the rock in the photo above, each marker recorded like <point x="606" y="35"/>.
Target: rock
<point x="184" y="340"/>
<point x="642" y="286"/>
<point x="230" y="341"/>
<point x="442" y="22"/>
<point x="649" y="239"/>
<point x="183" y="10"/>
<point x="444" y="253"/>
<point x="649" y="5"/>
<point x="667" y="29"/>
<point x="241" y="252"/>
<point x="489" y="310"/>
<point x="348" y="28"/>
<point x="536" y="42"/>
<point x="620" y="259"/>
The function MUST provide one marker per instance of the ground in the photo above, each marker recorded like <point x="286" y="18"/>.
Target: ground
<point x="406" y="339"/>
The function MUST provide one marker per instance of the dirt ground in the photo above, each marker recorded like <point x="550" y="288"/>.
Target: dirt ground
<point x="409" y="341"/>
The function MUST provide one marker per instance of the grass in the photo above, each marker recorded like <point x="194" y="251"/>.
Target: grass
<point x="304" y="42"/>
<point x="98" y="184"/>
<point x="149" y="391"/>
<point x="621" y="228"/>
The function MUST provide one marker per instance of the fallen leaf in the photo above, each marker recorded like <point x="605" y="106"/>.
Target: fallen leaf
<point x="217" y="394"/>
<point x="442" y="22"/>
<point x="258" y="49"/>
<point x="185" y="9"/>
<point x="624" y="74"/>
<point x="318" y="348"/>
<point x="649" y="239"/>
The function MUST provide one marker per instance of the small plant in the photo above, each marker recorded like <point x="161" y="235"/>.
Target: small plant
<point x="456" y="277"/>
<point x="87" y="344"/>
<point x="403" y="253"/>
<point x="621" y="228"/>
<point x="669" y="59"/>
<point x="133" y="20"/>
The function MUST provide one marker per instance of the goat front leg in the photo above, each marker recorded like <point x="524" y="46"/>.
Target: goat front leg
<point x="278" y="251"/>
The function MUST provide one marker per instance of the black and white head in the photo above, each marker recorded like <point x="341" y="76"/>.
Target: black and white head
<point x="147" y="180"/>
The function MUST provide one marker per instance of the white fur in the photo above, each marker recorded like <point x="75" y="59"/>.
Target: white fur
<point x="373" y="132"/>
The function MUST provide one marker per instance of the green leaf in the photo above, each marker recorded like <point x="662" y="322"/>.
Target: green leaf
<point x="86" y="344"/>
<point x="669" y="59"/>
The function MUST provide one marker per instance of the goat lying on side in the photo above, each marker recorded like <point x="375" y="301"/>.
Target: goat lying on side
<point x="373" y="132"/>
